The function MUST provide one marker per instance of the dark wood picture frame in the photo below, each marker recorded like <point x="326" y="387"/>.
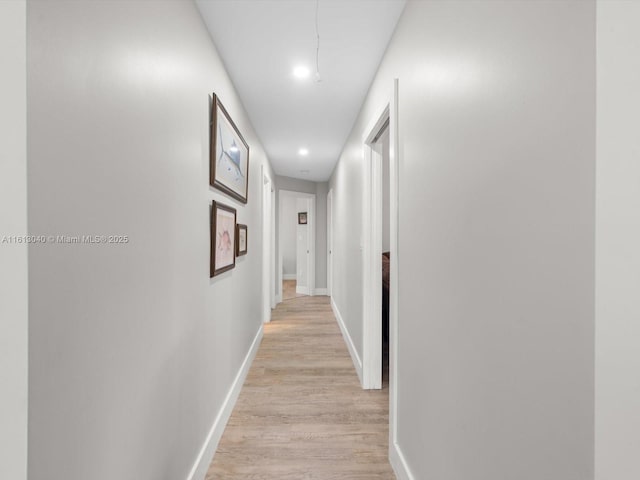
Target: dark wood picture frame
<point x="232" y="158"/>
<point x="241" y="228"/>
<point x="302" y="218"/>
<point x="216" y="235"/>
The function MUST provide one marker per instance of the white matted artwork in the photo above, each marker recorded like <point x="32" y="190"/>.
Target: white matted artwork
<point x="223" y="238"/>
<point x="229" y="162"/>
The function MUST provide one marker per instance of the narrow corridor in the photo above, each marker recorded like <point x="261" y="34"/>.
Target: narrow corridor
<point x="301" y="413"/>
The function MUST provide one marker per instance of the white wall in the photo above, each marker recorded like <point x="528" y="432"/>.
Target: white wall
<point x="132" y="347"/>
<point x="322" y="189"/>
<point x="496" y="237"/>
<point x="617" y="240"/>
<point x="288" y="234"/>
<point x="13" y="256"/>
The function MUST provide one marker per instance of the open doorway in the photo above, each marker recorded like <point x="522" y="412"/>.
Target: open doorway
<point x="296" y="244"/>
<point x="381" y="146"/>
<point x="381" y="186"/>
<point x="380" y="254"/>
<point x="376" y="265"/>
<point x="268" y="292"/>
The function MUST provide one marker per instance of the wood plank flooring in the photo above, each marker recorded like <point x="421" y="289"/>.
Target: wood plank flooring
<point x="289" y="290"/>
<point x="301" y="413"/>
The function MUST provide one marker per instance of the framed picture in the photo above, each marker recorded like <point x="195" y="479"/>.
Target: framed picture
<point x="241" y="240"/>
<point x="229" y="162"/>
<point x="302" y="218"/>
<point x="223" y="238"/>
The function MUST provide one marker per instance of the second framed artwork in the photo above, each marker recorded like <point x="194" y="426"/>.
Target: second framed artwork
<point x="229" y="155"/>
<point x="223" y="238"/>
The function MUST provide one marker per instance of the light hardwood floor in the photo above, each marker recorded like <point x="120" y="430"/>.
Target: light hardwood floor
<point x="289" y="290"/>
<point x="301" y="413"/>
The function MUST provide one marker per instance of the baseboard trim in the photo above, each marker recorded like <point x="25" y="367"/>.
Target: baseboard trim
<point x="399" y="463"/>
<point x="203" y="460"/>
<point x="357" y="363"/>
<point x="321" y="292"/>
<point x="302" y="290"/>
<point x="289" y="276"/>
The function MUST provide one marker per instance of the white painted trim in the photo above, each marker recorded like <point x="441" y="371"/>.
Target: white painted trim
<point x="319" y="292"/>
<point x="329" y="242"/>
<point x="357" y="363"/>
<point x="399" y="463"/>
<point x="302" y="290"/>
<point x="278" y="298"/>
<point x="395" y="159"/>
<point x="267" y="273"/>
<point x="394" y="212"/>
<point x="203" y="460"/>
<point x="372" y="254"/>
<point x="289" y="276"/>
<point x="272" y="249"/>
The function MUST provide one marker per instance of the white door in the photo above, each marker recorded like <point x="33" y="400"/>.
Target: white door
<point x="302" y="273"/>
<point x="302" y="248"/>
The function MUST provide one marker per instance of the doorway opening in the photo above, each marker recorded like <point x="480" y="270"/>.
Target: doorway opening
<point x="381" y="147"/>
<point x="296" y="241"/>
<point x="381" y="168"/>
<point x="381" y="142"/>
<point x="268" y="220"/>
<point x="373" y="273"/>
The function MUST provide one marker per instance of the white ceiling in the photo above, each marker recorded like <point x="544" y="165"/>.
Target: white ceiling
<point x="260" y="42"/>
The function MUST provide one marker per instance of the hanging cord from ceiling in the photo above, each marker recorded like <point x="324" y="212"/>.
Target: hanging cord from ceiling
<point x="318" y="79"/>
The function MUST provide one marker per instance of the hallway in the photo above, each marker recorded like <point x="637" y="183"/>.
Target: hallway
<point x="150" y="157"/>
<point x="301" y="413"/>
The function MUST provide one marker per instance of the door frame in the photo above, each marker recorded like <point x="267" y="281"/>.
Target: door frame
<point x="272" y="249"/>
<point x="311" y="238"/>
<point x="372" y="262"/>
<point x="372" y="255"/>
<point x="267" y="246"/>
<point x="330" y="242"/>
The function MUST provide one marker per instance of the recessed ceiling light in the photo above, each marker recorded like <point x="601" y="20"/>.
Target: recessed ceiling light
<point x="303" y="152"/>
<point x="301" y="71"/>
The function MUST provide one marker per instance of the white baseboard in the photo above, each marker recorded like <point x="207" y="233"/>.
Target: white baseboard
<point x="321" y="292"/>
<point x="203" y="460"/>
<point x="399" y="463"/>
<point x="278" y="298"/>
<point x="357" y="363"/>
<point x="289" y="276"/>
<point x="302" y="290"/>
